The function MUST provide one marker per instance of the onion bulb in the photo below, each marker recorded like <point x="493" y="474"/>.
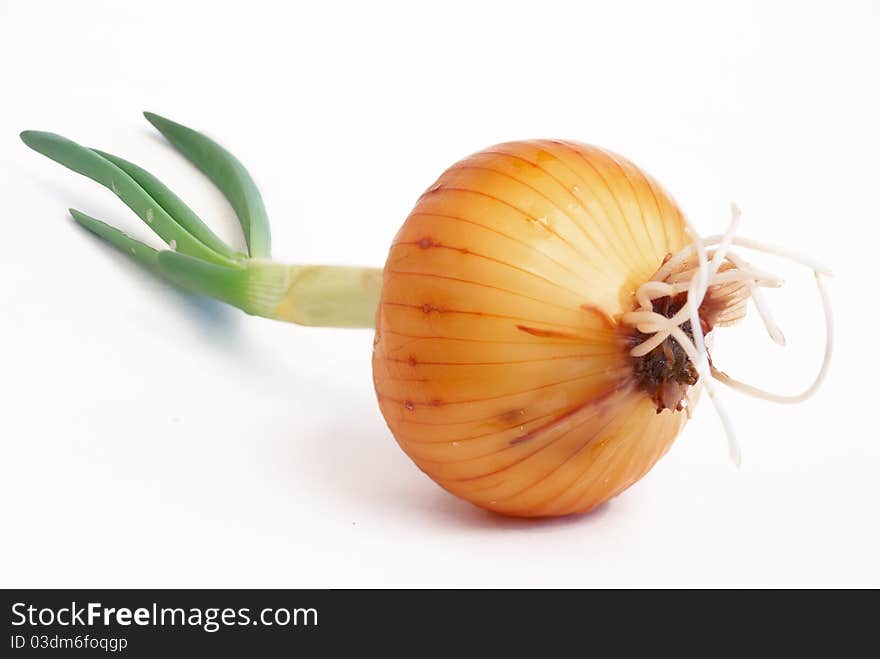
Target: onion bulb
<point x="542" y="323"/>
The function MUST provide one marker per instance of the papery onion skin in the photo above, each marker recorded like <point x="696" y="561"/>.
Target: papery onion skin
<point x="498" y="363"/>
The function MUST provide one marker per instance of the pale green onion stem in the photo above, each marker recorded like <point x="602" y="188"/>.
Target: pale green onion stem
<point x="316" y="295"/>
<point x="197" y="259"/>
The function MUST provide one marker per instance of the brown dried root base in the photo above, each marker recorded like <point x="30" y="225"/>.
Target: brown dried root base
<point x="666" y="372"/>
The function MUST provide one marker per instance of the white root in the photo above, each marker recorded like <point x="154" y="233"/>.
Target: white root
<point x="733" y="383"/>
<point x="675" y="277"/>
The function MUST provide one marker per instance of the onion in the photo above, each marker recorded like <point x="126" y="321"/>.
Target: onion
<point x="542" y="319"/>
<point x="499" y="365"/>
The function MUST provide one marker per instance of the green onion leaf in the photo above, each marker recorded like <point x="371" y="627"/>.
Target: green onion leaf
<point x="88" y="163"/>
<point x="228" y="174"/>
<point x="133" y="248"/>
<point x="173" y="205"/>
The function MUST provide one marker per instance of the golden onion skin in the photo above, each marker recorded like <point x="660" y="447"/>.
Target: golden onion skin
<point x="498" y="363"/>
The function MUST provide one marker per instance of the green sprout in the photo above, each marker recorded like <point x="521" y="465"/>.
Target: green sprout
<point x="197" y="259"/>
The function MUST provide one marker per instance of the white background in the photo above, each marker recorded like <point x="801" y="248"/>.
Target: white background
<point x="151" y="438"/>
